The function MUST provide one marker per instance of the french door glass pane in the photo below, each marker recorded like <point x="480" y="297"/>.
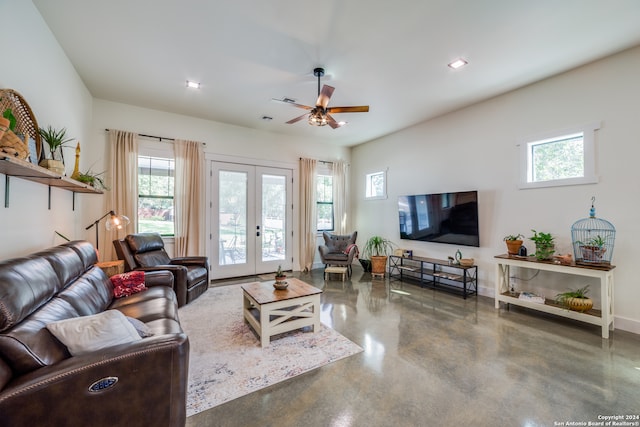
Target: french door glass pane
<point x="274" y="196"/>
<point x="233" y="217"/>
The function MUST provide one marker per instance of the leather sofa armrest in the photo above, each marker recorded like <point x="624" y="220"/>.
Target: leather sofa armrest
<point x="158" y="278"/>
<point x="179" y="279"/>
<point x="151" y="387"/>
<point x="202" y="261"/>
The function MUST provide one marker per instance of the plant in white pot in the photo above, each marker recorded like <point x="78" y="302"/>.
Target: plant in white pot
<point x="55" y="139"/>
<point x="378" y="249"/>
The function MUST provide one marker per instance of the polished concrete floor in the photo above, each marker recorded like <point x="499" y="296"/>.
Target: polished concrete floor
<point x="433" y="359"/>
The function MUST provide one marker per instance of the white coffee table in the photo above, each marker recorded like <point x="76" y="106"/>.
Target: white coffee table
<point x="271" y="312"/>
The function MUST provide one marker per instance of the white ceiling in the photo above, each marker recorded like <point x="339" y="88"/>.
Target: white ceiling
<point x="389" y="55"/>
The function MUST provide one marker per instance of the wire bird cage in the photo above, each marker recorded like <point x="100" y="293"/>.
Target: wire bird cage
<point x="593" y="240"/>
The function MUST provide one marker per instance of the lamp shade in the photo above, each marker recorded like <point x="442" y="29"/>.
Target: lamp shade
<point x="116" y="222"/>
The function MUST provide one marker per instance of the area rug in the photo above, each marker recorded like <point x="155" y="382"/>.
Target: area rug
<point x="226" y="360"/>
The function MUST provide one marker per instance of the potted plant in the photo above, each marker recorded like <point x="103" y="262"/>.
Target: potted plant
<point x="545" y="245"/>
<point x="377" y="249"/>
<point x="593" y="249"/>
<point x="91" y="178"/>
<point x="56" y="139"/>
<point x="513" y="241"/>
<point x="576" y="300"/>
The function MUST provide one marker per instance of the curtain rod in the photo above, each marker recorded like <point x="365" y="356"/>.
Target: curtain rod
<point x="159" y="138"/>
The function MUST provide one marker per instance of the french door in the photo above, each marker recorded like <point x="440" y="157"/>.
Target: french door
<point x="251" y="216"/>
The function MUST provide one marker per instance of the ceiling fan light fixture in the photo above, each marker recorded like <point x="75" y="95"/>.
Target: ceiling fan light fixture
<point x="458" y="63"/>
<point x="317" y="119"/>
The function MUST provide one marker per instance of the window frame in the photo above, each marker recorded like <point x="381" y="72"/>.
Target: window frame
<point x="158" y="150"/>
<point x="326" y="171"/>
<point x="368" y="185"/>
<point x="588" y="144"/>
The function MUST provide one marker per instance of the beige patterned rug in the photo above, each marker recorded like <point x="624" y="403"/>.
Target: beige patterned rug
<point x="226" y="360"/>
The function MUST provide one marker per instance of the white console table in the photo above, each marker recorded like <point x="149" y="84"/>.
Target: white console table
<point x="602" y="317"/>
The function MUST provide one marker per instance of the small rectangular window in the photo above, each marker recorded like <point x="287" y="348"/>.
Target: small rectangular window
<point x="561" y="158"/>
<point x="375" y="185"/>
<point x="324" y="193"/>
<point x="155" y="195"/>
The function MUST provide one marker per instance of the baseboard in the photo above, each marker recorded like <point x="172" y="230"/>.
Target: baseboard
<point x="629" y="325"/>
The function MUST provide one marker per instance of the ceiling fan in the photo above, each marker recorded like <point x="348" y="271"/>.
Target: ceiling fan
<point x="320" y="114"/>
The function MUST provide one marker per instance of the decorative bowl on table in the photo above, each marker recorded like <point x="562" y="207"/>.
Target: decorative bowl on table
<point x="466" y="262"/>
<point x="280" y="286"/>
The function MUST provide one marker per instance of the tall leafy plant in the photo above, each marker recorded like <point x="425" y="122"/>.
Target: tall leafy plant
<point x="377" y="246"/>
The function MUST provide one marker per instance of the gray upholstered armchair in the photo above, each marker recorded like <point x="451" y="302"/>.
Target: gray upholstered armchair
<point x="338" y="249"/>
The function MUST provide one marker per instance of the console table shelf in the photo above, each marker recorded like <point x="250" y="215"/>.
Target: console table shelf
<point x="435" y="273"/>
<point x="603" y="317"/>
<point x="11" y="166"/>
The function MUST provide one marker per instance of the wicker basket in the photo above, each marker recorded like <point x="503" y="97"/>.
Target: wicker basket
<point x="26" y="123"/>
<point x="12" y="145"/>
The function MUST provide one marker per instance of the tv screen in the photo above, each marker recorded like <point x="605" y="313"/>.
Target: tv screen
<point x="442" y="218"/>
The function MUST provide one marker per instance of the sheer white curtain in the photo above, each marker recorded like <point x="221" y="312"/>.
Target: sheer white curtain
<point x="188" y="197"/>
<point x="340" y="171"/>
<point x="123" y="197"/>
<point x="308" y="216"/>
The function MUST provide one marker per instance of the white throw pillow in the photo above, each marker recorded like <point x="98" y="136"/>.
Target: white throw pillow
<point x="87" y="334"/>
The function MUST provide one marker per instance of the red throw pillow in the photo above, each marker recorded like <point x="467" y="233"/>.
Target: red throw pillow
<point x="126" y="284"/>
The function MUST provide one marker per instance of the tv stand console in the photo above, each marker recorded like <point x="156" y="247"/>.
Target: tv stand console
<point x="435" y="273"/>
<point x="603" y="317"/>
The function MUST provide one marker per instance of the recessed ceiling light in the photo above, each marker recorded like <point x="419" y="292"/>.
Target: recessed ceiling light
<point x="193" y="85"/>
<point x="458" y="63"/>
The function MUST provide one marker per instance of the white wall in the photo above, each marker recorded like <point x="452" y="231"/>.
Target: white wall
<point x="44" y="76"/>
<point x="475" y="148"/>
<point x="34" y="65"/>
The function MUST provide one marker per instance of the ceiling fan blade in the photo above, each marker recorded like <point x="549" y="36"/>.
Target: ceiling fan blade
<point x="358" y="109"/>
<point x="332" y="122"/>
<point x="325" y="95"/>
<point x="304" y="107"/>
<point x="297" y="119"/>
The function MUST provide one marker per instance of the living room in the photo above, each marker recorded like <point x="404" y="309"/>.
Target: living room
<point x="474" y="148"/>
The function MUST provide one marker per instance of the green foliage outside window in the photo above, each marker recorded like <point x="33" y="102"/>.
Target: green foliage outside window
<point x="559" y="159"/>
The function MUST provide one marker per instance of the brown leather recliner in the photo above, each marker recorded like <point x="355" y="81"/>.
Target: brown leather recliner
<point x="145" y="251"/>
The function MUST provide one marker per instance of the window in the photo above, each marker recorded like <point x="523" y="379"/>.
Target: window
<point x="324" y="194"/>
<point x="560" y="158"/>
<point x="155" y="195"/>
<point x="375" y="186"/>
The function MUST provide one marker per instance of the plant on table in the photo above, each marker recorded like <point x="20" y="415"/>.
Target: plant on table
<point x="545" y="244"/>
<point x="575" y="299"/>
<point x="513" y="241"/>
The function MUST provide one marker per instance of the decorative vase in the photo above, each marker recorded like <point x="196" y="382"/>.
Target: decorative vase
<point x="580" y="304"/>
<point x="544" y="252"/>
<point x="379" y="265"/>
<point x="55" y="166"/>
<point x="592" y="253"/>
<point x="513" y="246"/>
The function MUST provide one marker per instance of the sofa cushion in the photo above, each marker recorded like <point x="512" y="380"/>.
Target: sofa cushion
<point x="17" y="275"/>
<point x="87" y="334"/>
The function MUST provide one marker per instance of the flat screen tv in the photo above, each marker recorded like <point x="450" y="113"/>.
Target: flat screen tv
<point x="442" y="218"/>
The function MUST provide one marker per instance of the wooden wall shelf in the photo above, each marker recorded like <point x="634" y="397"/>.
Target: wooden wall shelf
<point x="11" y="166"/>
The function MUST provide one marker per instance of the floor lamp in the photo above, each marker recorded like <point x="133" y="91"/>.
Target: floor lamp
<point x="115" y="222"/>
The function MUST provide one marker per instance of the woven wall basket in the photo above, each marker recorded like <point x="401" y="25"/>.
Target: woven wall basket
<point x="25" y="123"/>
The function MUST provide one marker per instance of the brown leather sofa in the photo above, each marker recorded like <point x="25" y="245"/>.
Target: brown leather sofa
<point x="145" y="251"/>
<point x="140" y="383"/>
